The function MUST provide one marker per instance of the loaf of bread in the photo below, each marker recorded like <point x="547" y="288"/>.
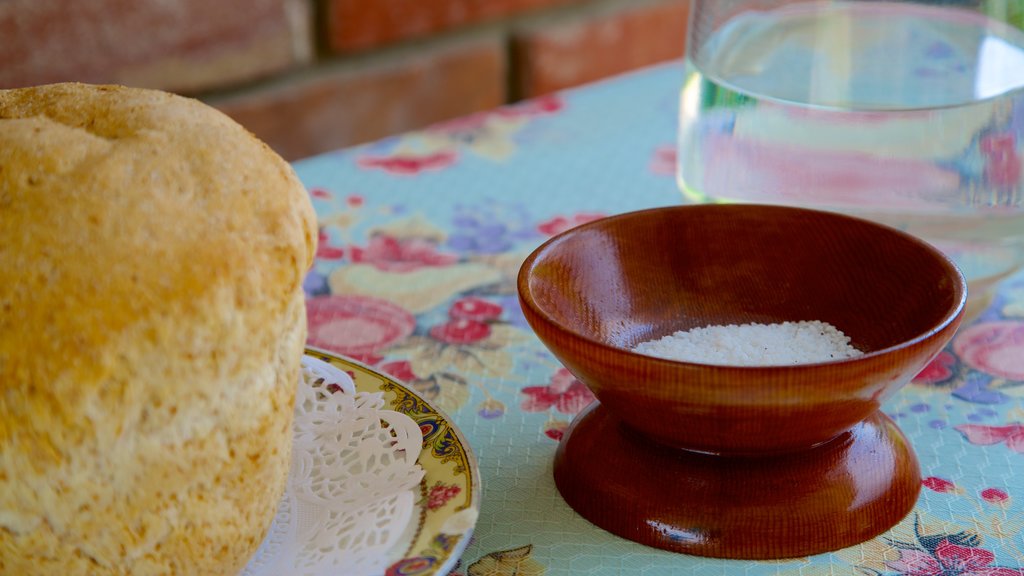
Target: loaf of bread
<point x="151" y="327"/>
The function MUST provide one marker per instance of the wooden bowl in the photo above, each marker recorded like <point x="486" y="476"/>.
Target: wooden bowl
<point x="594" y="292"/>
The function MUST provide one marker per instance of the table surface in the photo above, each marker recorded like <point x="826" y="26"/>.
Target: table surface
<point x="421" y="237"/>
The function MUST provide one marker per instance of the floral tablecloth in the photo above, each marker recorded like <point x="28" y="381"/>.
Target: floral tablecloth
<point x="421" y="237"/>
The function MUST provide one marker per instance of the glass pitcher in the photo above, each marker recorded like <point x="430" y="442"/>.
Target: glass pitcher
<point x="910" y="113"/>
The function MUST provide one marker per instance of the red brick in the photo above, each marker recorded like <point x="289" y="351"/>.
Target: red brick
<point x="364" y="102"/>
<point x="182" y="45"/>
<point x="354" y="25"/>
<point x="561" y="54"/>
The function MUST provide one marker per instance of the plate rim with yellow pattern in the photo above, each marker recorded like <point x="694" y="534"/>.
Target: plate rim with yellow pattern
<point x="448" y="462"/>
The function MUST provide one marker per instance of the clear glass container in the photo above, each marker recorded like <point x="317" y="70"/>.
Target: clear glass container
<point x="909" y="113"/>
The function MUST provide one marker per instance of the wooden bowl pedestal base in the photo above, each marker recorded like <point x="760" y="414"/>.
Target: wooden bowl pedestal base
<point x="767" y="507"/>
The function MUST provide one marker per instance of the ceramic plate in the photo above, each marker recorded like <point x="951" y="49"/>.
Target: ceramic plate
<point x="450" y="490"/>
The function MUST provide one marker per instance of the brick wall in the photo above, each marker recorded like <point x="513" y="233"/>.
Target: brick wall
<point x="314" y="75"/>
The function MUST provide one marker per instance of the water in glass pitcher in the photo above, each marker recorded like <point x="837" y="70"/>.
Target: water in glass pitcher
<point x="912" y="115"/>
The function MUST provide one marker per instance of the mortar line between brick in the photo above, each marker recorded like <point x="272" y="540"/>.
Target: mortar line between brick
<point x="321" y="22"/>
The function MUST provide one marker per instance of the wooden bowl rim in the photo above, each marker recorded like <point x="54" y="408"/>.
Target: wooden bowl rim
<point x="951" y="316"/>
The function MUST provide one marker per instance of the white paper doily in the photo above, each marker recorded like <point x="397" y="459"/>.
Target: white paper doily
<point x="350" y="493"/>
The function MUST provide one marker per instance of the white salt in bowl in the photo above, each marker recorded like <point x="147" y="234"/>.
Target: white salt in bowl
<point x="593" y="293"/>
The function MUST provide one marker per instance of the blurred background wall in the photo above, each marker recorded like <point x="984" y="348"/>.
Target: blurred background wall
<point x="314" y="75"/>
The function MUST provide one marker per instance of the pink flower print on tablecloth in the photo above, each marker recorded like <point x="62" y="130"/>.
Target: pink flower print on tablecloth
<point x="390" y="254"/>
<point x="995" y="496"/>
<point x="565" y="393"/>
<point x="994" y="348"/>
<point x="555" y="429"/>
<point x="541" y="106"/>
<point x="472" y="308"/>
<point x="949" y="559"/>
<point x="1003" y="164"/>
<point x="469" y="321"/>
<point x="477" y="345"/>
<point x="356" y="326"/>
<point x="982" y="435"/>
<point x="461" y="331"/>
<point x="324" y="249"/>
<point x="663" y="161"/>
<point x="772" y="172"/>
<point x="940" y="485"/>
<point x="410" y="164"/>
<point x="472" y="124"/>
<point x="400" y="370"/>
<point x="560" y="224"/>
<point x="938" y="370"/>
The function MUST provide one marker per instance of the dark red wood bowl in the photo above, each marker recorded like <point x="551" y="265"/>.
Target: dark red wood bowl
<point x="594" y="292"/>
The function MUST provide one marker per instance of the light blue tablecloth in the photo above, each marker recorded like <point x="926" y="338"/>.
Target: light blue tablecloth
<point x="421" y="238"/>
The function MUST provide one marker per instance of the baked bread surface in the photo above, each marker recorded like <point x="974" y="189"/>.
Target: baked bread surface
<point x="151" y="326"/>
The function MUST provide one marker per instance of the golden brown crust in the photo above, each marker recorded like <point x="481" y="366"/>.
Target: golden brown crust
<point x="151" y="325"/>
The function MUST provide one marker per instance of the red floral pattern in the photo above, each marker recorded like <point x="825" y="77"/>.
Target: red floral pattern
<point x="1003" y="166"/>
<point x="439" y="495"/>
<point x="938" y="370"/>
<point x="1012" y="434"/>
<point x="556" y="429"/>
<point x="471" y="308"/>
<point x="949" y="559"/>
<point x="994" y="348"/>
<point x="937" y="484"/>
<point x="461" y="331"/>
<point x="410" y="164"/>
<point x="565" y="393"/>
<point x="995" y="496"/>
<point x="663" y="161"/>
<point x="391" y="254"/>
<point x="400" y="369"/>
<point x="451" y="348"/>
<point x="772" y="171"/>
<point x="324" y="250"/>
<point x="356" y="326"/>
<point x="527" y="109"/>
<point x="560" y="224"/>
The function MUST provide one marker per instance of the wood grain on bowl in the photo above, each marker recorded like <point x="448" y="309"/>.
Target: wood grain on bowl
<point x="596" y="291"/>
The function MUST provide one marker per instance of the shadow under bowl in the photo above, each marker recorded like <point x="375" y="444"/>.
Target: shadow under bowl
<point x="733" y="461"/>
